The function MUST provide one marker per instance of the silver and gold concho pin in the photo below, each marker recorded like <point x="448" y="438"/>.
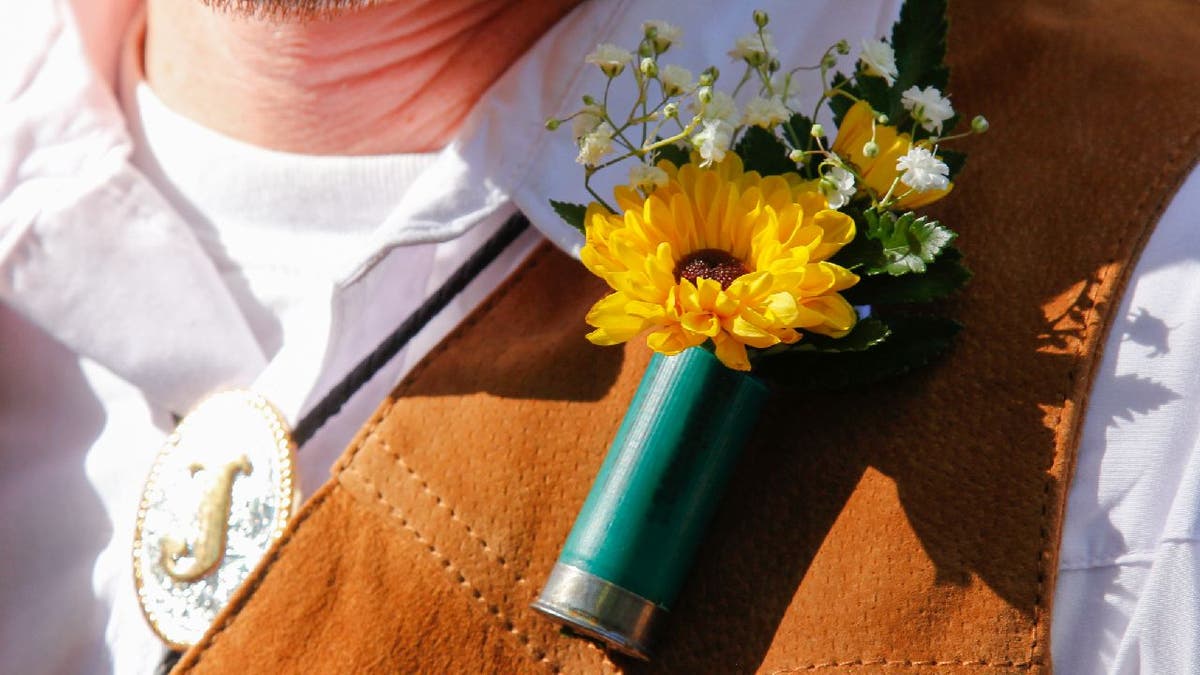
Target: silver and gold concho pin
<point x="219" y="494"/>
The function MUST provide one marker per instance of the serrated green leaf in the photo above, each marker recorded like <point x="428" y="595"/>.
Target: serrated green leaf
<point x="866" y="334"/>
<point x="946" y="275"/>
<point x="909" y="242"/>
<point x="862" y="253"/>
<point x="763" y="152"/>
<point x="914" y="341"/>
<point x="571" y="213"/>
<point x="919" y="40"/>
<point x="674" y="154"/>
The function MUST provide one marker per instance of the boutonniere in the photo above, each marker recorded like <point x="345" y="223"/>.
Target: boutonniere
<point x="750" y="250"/>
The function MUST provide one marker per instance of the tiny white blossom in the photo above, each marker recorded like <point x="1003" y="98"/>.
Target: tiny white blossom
<point x="720" y="106"/>
<point x="647" y="178"/>
<point x="585" y="122"/>
<point x="765" y="112"/>
<point x="675" y="79"/>
<point x="666" y="34"/>
<point x="712" y="142"/>
<point x="750" y="48"/>
<point x="610" y="58"/>
<point x="838" y="187"/>
<point x="879" y="59"/>
<point x="596" y="145"/>
<point x="928" y="107"/>
<point x="922" y="171"/>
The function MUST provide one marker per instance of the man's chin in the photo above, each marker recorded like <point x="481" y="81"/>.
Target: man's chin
<point x="292" y="9"/>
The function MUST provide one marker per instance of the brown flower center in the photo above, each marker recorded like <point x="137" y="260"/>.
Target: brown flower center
<point x="710" y="263"/>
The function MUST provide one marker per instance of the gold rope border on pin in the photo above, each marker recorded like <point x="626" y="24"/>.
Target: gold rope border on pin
<point x="286" y="492"/>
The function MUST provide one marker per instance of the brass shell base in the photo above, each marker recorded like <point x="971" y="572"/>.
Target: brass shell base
<point x="600" y="609"/>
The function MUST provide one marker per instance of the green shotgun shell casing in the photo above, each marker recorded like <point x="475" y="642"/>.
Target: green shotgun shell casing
<point x="633" y="542"/>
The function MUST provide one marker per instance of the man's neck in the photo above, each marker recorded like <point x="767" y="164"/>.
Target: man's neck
<point x="397" y="77"/>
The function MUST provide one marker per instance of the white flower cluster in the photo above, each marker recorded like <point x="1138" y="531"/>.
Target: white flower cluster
<point x="922" y="171"/>
<point x="838" y="186"/>
<point x="611" y="59"/>
<point x="879" y="60"/>
<point x="715" y="115"/>
<point x="676" y="80"/>
<point x="646" y="178"/>
<point x="755" y="49"/>
<point x="595" y="144"/>
<point x="928" y="107"/>
<point x="765" y="112"/>
<point x="714" y="119"/>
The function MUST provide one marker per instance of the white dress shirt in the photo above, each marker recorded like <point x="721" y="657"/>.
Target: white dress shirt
<point x="133" y="285"/>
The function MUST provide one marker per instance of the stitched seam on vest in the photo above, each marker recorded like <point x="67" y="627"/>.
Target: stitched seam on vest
<point x="1096" y="328"/>
<point x="372" y="427"/>
<point x="457" y="575"/>
<point x="1147" y="207"/>
<point x="443" y="504"/>
<point x="233" y="611"/>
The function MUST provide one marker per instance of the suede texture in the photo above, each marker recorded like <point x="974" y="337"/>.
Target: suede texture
<point x="911" y="526"/>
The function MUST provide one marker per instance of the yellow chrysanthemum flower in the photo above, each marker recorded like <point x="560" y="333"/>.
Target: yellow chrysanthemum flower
<point x="879" y="171"/>
<point x="722" y="254"/>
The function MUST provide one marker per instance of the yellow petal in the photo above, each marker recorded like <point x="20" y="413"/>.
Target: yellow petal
<point x="613" y="323"/>
<point x="709" y="291"/>
<point x="750" y="334"/>
<point x="731" y="353"/>
<point x="671" y="340"/>
<point x="838" y="231"/>
<point x="700" y="323"/>
<point x="828" y="315"/>
<point x="784" y="307"/>
<point x="689" y="296"/>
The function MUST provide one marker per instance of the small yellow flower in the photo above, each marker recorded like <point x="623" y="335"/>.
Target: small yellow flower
<point x="719" y="254"/>
<point x="879" y="171"/>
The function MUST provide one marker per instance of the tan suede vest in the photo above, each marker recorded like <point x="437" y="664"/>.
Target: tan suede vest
<point x="912" y="526"/>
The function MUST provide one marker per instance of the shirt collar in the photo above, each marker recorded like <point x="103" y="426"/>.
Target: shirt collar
<point x="109" y="246"/>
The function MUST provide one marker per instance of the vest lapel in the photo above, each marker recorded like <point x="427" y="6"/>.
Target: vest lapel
<point x="912" y="525"/>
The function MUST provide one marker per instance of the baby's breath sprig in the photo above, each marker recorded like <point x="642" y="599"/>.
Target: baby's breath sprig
<point x="887" y="154"/>
<point x="653" y="124"/>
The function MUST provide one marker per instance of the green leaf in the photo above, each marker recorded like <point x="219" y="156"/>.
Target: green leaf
<point x="919" y="40"/>
<point x="799" y="129"/>
<point x="866" y="334"/>
<point x="862" y="253"/>
<point x="874" y="89"/>
<point x="909" y="242"/>
<point x="674" y="154"/>
<point x="954" y="161"/>
<point x="945" y="276"/>
<point x="840" y="105"/>
<point x="763" y="152"/>
<point x="571" y="213"/>
<point x="913" y="341"/>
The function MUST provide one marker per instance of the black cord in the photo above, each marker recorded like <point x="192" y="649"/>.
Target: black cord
<point x="169" y="660"/>
<point x="362" y="373"/>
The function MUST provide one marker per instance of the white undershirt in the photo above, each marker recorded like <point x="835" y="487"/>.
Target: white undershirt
<point x="279" y="226"/>
<point x="278" y="223"/>
<point x="83" y="394"/>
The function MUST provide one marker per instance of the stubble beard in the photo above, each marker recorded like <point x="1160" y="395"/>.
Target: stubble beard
<point x="291" y="9"/>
